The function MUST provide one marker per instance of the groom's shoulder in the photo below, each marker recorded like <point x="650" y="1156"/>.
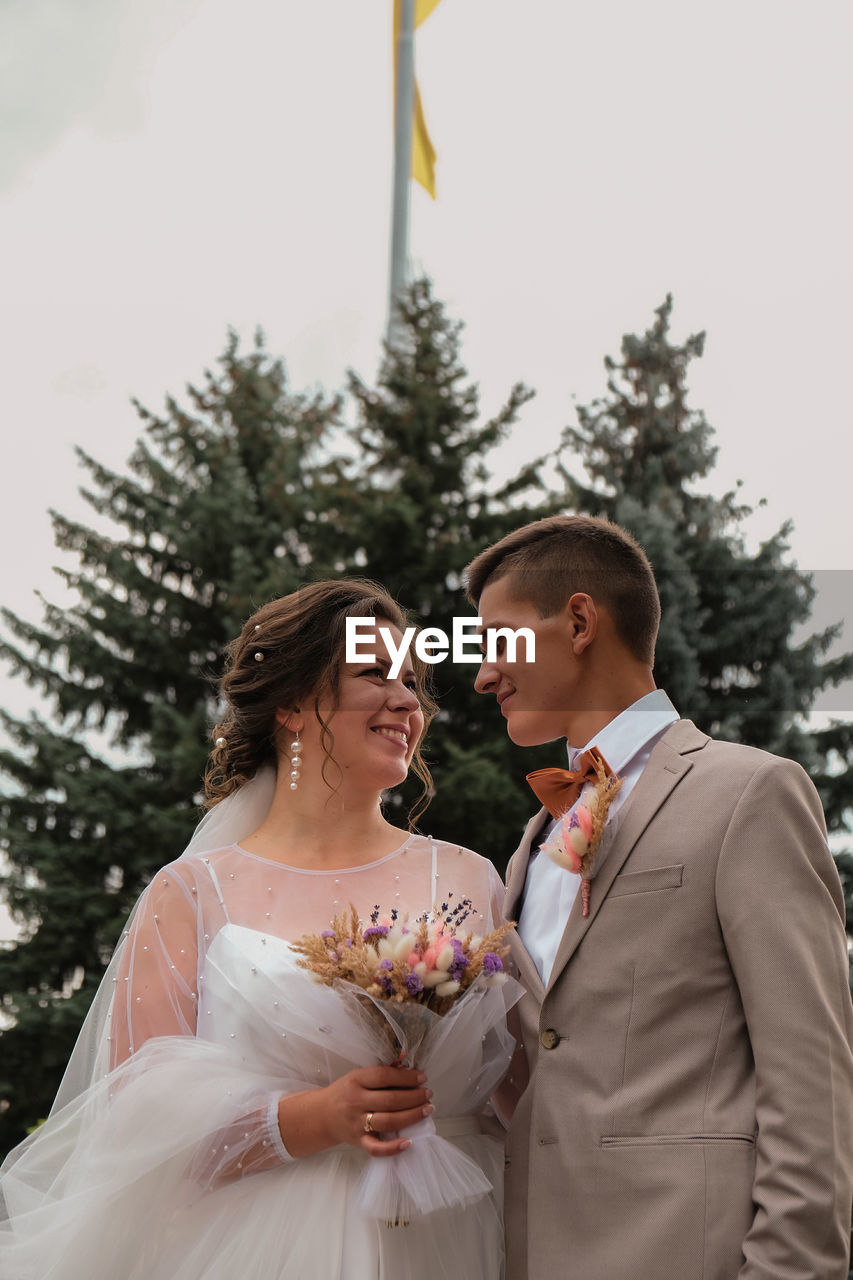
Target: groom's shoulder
<point x="718" y="755"/>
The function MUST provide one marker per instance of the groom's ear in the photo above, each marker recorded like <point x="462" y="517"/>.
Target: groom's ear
<point x="581" y="618"/>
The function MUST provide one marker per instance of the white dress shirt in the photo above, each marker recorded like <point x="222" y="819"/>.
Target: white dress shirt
<point x="549" y="890"/>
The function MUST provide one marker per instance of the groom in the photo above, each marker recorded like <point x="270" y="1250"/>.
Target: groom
<point x="687" y="1030"/>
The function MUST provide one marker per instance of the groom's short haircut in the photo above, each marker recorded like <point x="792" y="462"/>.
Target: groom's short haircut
<point x="547" y="561"/>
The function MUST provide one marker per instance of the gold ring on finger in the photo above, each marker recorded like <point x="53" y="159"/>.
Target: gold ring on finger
<point x="368" y="1122"/>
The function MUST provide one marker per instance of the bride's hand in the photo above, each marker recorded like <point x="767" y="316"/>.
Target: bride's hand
<point x="393" y="1097"/>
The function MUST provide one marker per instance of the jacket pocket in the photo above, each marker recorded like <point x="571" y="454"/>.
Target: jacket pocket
<point x="647" y="881"/>
<point x="680" y="1139"/>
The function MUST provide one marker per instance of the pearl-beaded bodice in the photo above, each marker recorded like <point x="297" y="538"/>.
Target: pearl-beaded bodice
<point x="160" y="979"/>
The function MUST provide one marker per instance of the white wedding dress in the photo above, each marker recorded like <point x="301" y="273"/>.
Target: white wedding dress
<point x="169" y="1165"/>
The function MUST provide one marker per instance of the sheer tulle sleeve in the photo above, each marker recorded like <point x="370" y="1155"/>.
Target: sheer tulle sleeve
<point x="157" y="975"/>
<point x="158" y="984"/>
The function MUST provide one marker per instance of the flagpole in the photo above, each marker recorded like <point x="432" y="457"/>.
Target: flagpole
<point x="403" y="113"/>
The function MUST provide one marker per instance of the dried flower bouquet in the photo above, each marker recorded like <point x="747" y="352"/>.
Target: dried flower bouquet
<point x="434" y="997"/>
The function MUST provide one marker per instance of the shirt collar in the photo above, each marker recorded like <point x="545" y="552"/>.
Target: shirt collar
<point x="626" y="734"/>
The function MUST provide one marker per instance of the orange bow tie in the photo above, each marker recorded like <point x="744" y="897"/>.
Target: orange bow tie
<point x="558" y="789"/>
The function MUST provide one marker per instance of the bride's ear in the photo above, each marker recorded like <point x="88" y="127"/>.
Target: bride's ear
<point x="288" y="719"/>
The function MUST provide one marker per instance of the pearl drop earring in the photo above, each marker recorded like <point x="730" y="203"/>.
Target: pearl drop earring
<point x="295" y="762"/>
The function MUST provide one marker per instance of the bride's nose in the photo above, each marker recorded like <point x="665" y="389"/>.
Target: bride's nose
<point x="402" y="696"/>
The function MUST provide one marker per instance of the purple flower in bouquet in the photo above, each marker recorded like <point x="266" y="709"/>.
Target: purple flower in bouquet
<point x="459" y="962"/>
<point x="426" y="961"/>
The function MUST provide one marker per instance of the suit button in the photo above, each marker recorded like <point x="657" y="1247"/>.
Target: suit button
<point x="549" y="1039"/>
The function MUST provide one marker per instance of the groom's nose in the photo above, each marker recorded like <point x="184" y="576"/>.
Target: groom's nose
<point x="487" y="678"/>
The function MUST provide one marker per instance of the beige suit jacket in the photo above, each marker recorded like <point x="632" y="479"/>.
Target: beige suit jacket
<point x="689" y="1113"/>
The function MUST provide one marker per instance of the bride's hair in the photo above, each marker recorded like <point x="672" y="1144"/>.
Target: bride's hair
<point x="288" y="655"/>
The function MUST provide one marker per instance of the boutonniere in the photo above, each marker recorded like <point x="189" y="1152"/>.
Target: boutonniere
<point x="575" y="840"/>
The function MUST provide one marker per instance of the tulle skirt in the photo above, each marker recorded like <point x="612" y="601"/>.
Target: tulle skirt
<point x="300" y="1221"/>
<point x="303" y="1223"/>
<point x="110" y="1187"/>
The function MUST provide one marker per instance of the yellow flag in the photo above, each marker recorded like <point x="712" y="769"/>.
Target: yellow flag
<point x="423" y="8"/>
<point x="423" y="152"/>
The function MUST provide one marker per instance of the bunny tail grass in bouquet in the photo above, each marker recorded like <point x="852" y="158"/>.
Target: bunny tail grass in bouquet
<point x="437" y="999"/>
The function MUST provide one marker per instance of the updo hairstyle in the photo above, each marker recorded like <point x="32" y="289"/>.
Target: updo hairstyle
<point x="289" y="655"/>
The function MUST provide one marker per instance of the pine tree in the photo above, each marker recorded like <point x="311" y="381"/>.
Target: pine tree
<point x="226" y="502"/>
<point x="428" y="506"/>
<point x="726" y="652"/>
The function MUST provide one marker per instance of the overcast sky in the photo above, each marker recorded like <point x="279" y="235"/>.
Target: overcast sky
<point x="173" y="167"/>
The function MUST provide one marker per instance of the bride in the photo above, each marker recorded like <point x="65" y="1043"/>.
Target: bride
<point x="210" y="1124"/>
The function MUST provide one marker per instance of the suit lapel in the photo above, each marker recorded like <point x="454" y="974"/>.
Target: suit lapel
<point x="527" y="970"/>
<point x="666" y="767"/>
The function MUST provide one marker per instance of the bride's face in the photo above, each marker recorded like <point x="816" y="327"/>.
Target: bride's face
<point x="376" y="721"/>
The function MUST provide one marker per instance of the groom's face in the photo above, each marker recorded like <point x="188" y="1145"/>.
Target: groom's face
<point x="535" y="697"/>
